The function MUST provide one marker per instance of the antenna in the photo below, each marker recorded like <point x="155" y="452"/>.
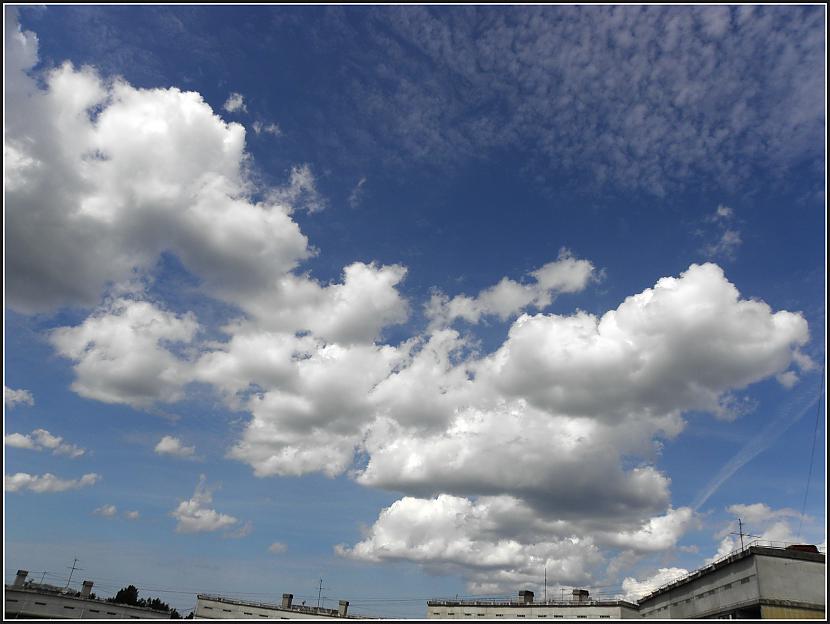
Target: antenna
<point x="72" y="571"/>
<point x="319" y="592"/>
<point x="546" y="583"/>
<point x="43" y="576"/>
<point x="741" y="533"/>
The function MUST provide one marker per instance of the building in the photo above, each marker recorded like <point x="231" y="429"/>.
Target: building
<point x="756" y="582"/>
<point x="38" y="601"/>
<point x="211" y="607"/>
<point x="581" y="606"/>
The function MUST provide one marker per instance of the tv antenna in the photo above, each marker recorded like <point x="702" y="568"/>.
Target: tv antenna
<point x="741" y="533"/>
<point x="72" y="571"/>
<point x="319" y="592"/>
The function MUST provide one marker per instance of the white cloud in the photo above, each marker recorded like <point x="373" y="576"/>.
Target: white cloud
<point x="107" y="511"/>
<point x="194" y="515"/>
<point x="726" y="246"/>
<point x="107" y="177"/>
<point x="787" y="379"/>
<point x="269" y="128"/>
<point x="301" y="191"/>
<point x="17" y="397"/>
<point x="277" y="548"/>
<point x="235" y="103"/>
<point x="356" y="196"/>
<point x="507" y="298"/>
<point x="41" y="439"/>
<point x="47" y="483"/>
<point x="121" y="353"/>
<point x="131" y="515"/>
<point x="634" y="589"/>
<point x="170" y="445"/>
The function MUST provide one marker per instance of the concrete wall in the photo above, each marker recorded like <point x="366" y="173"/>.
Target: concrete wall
<point x="722" y="589"/>
<point x="208" y="609"/>
<point x="792" y="580"/>
<point x="514" y="612"/>
<point x="24" y="603"/>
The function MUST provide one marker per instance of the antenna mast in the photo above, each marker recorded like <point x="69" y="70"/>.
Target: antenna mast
<point x="71" y="572"/>
<point x="741" y="533"/>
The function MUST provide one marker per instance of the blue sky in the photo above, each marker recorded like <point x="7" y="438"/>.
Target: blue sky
<point x="421" y="301"/>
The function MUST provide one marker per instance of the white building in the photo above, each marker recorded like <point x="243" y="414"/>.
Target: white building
<point x="211" y="607"/>
<point x="34" y="601"/>
<point x="754" y="583"/>
<point x="581" y="607"/>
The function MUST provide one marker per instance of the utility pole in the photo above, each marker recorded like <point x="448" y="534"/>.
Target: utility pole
<point x="43" y="576"/>
<point x="546" y="583"/>
<point x="74" y="567"/>
<point x="319" y="591"/>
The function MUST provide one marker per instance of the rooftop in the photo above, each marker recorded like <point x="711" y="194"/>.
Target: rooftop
<point x="756" y="547"/>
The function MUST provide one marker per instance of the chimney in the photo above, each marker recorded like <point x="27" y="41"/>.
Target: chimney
<point x="580" y="595"/>
<point x="343" y="609"/>
<point x="20" y="578"/>
<point x="526" y="596"/>
<point x="286" y="600"/>
<point x="86" y="589"/>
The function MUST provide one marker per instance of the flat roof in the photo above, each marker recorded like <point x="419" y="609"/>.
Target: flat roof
<point x="766" y="551"/>
<point x="518" y="603"/>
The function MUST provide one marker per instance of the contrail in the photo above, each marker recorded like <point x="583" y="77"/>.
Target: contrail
<point x="788" y="414"/>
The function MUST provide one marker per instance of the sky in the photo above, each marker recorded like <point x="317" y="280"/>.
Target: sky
<point x="419" y="301"/>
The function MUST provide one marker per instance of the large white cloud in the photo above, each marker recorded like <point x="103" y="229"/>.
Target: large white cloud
<point x="103" y="177"/>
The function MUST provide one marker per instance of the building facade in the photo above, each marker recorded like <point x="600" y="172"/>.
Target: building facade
<point x="756" y="583"/>
<point x="37" y="601"/>
<point x="210" y="607"/>
<point x="581" y="606"/>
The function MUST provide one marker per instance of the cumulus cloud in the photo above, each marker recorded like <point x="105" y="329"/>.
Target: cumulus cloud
<point x="235" y="103"/>
<point x="170" y="445"/>
<point x="195" y="516"/>
<point x="13" y="397"/>
<point x="47" y="483"/>
<point x="131" y="515"/>
<point x="507" y="298"/>
<point x="41" y="439"/>
<point x="634" y="589"/>
<point x="122" y="354"/>
<point x="107" y="177"/>
<point x="107" y="511"/>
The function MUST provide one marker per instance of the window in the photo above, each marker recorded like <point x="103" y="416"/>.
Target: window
<point x="111" y="613"/>
<point x="226" y="610"/>
<point x="94" y="611"/>
<point x="727" y="586"/>
<point x="208" y="608"/>
<point x="42" y="604"/>
<point x="520" y="615"/>
<point x="68" y="607"/>
<point x="688" y="599"/>
<point x="744" y="581"/>
<point x="468" y="614"/>
<point x="247" y="613"/>
<point x="582" y="617"/>
<point x="541" y="615"/>
<point x="499" y="614"/>
<point x="605" y="616"/>
<point x="558" y="616"/>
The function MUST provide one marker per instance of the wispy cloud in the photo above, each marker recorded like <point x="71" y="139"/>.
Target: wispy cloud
<point x="47" y="483"/>
<point x="786" y="416"/>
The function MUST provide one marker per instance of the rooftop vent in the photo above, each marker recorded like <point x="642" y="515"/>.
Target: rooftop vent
<point x="526" y="596"/>
<point x="580" y="595"/>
